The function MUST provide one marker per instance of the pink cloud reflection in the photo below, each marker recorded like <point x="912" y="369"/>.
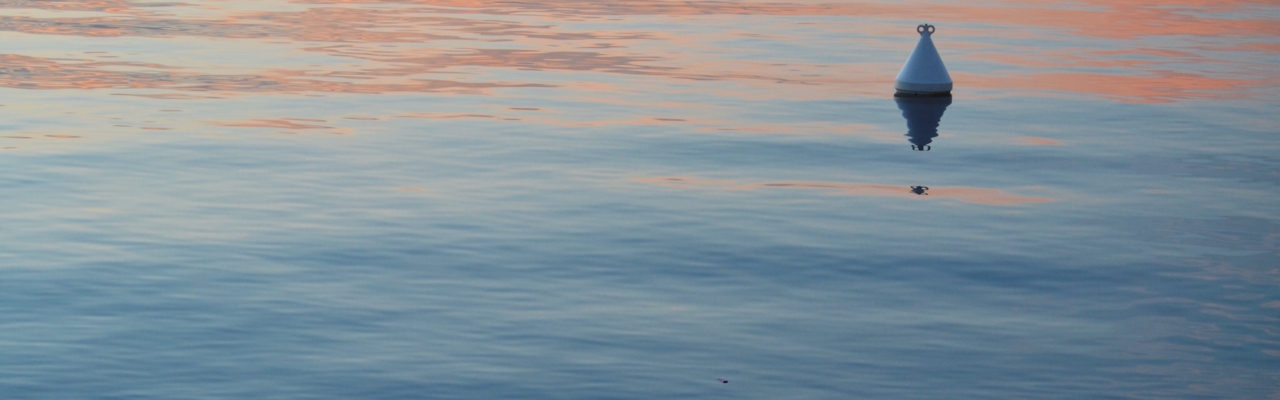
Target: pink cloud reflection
<point x="973" y="195"/>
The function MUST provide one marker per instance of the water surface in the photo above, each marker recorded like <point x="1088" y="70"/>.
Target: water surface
<point x="564" y="199"/>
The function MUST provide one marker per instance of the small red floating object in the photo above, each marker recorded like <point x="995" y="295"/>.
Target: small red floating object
<point x="722" y="380"/>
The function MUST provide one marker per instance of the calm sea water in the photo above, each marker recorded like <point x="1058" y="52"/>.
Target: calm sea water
<point x="563" y="199"/>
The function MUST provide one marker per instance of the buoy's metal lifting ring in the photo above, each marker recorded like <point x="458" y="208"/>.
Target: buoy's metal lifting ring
<point x="922" y="28"/>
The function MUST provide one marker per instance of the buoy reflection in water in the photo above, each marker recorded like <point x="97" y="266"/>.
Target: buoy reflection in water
<point x="923" y="115"/>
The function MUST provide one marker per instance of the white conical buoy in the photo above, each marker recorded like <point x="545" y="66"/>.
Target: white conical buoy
<point x="923" y="74"/>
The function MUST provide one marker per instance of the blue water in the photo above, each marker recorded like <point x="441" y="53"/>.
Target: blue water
<point x="557" y="199"/>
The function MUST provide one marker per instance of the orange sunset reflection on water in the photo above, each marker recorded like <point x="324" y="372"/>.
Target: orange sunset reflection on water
<point x="974" y="195"/>
<point x="472" y="46"/>
<point x="679" y="66"/>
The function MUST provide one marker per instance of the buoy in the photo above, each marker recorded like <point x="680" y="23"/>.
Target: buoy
<point x="923" y="74"/>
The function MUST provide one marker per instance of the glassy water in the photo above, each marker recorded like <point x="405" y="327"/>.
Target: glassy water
<point x="562" y="199"/>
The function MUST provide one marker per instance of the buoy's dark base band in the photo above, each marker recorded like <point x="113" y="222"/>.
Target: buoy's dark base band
<point x="907" y="93"/>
